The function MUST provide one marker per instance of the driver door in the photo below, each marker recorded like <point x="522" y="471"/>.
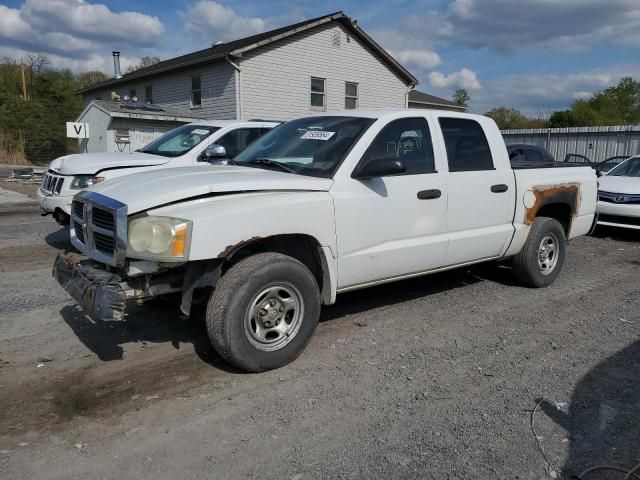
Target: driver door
<point x="396" y="225"/>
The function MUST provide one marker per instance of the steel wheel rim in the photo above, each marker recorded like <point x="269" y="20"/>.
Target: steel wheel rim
<point x="548" y="251"/>
<point x="274" y="316"/>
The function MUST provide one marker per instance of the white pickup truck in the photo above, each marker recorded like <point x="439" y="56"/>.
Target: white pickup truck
<point x="180" y="147"/>
<point x="316" y="207"/>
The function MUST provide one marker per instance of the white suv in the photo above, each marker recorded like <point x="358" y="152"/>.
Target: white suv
<point x="181" y="147"/>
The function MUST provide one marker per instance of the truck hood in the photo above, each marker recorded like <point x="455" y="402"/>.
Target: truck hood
<point x="146" y="190"/>
<point x="616" y="184"/>
<point x="92" y="163"/>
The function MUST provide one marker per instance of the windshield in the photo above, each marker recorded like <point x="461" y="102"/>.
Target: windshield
<point x="179" y="140"/>
<point x="314" y="146"/>
<point x="630" y="168"/>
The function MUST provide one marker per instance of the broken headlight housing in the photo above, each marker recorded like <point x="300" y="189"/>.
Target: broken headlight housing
<point x="157" y="238"/>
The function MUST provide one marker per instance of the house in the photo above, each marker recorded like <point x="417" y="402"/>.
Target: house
<point x="417" y="99"/>
<point x="327" y="63"/>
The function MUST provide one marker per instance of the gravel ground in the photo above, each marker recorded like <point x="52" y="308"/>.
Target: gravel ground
<point x="434" y="377"/>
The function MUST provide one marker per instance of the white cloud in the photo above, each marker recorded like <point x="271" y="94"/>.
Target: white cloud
<point x="91" y="21"/>
<point x="463" y="78"/>
<point x="217" y="22"/>
<point x="422" y="59"/>
<point x="533" y="94"/>
<point x="74" y="33"/>
<point x="507" y="25"/>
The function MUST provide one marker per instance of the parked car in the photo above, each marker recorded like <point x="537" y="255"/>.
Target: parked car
<point x="316" y="207"/>
<point x="574" y="158"/>
<point x="180" y="147"/>
<point x="609" y="163"/>
<point x="529" y="156"/>
<point x="619" y="195"/>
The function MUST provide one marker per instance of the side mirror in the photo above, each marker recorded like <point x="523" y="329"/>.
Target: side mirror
<point x="599" y="173"/>
<point x="214" y="152"/>
<point x="379" y="167"/>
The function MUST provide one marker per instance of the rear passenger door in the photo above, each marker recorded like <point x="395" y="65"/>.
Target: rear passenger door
<point x="481" y="194"/>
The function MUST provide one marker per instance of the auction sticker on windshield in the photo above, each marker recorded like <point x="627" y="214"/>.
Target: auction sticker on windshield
<point x="199" y="131"/>
<point x="317" y="135"/>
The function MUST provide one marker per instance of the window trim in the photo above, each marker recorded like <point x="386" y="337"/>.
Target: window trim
<point x="316" y="108"/>
<point x="148" y="88"/>
<point x="199" y="90"/>
<point x="405" y="174"/>
<point x="484" y="136"/>
<point x="356" y="97"/>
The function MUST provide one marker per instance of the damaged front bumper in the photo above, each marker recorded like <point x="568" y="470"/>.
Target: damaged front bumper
<point x="100" y="293"/>
<point x="104" y="294"/>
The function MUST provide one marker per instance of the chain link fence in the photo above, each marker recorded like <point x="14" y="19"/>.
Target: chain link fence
<point x="23" y="147"/>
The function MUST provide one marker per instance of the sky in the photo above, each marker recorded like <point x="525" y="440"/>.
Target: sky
<point x="534" y="55"/>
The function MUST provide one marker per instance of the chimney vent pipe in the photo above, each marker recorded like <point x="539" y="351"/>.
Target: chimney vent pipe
<point x="116" y="64"/>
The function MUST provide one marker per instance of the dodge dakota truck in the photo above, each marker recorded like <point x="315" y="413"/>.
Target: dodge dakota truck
<point x="316" y="207"/>
<point x="180" y="147"/>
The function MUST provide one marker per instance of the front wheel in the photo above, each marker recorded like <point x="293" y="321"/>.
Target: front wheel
<point x="263" y="312"/>
<point x="539" y="262"/>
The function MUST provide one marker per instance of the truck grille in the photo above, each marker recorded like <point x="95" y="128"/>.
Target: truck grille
<point x="618" y="197"/>
<point x="51" y="184"/>
<point x="99" y="227"/>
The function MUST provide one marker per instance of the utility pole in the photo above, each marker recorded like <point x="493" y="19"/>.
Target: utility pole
<point x="24" y="84"/>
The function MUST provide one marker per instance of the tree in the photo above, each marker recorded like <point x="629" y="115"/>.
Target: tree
<point x="461" y="97"/>
<point x="616" y="105"/>
<point x="507" y="118"/>
<point x="86" y="79"/>
<point x="144" y="62"/>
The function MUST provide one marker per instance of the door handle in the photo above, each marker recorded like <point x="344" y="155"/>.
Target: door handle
<point x="501" y="187"/>
<point x="429" y="194"/>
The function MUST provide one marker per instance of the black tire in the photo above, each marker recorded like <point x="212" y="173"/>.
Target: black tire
<point x="238" y="290"/>
<point x="526" y="266"/>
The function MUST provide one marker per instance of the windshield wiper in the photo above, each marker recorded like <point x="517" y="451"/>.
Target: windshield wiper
<point x="267" y="162"/>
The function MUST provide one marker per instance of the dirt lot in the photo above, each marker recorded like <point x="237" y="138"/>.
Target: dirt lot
<point x="429" y="378"/>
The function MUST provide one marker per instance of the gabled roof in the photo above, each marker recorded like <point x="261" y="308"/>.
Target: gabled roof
<point x="416" y="96"/>
<point x="221" y="51"/>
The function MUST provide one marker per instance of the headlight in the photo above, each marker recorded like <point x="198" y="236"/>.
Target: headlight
<point x="159" y="238"/>
<point x="81" y="182"/>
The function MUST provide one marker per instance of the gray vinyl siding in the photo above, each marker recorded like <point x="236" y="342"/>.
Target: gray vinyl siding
<point x="275" y="79"/>
<point x="98" y="125"/>
<point x="218" y="85"/>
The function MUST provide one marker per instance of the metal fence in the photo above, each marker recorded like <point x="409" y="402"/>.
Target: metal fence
<point x="595" y="143"/>
<point x="23" y="147"/>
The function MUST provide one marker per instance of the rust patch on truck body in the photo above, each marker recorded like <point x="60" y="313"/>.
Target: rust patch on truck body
<point x="562" y="193"/>
<point x="231" y="248"/>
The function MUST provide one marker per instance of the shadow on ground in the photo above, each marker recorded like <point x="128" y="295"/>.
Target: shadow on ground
<point x="618" y="234"/>
<point x="59" y="239"/>
<point x="603" y="421"/>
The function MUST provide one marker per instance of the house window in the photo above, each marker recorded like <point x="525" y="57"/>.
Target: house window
<point x="132" y="93"/>
<point x="350" y="95"/>
<point x="148" y="94"/>
<point x="196" y="92"/>
<point x="317" y="93"/>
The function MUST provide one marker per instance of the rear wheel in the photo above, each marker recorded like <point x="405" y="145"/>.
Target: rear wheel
<point x="263" y="312"/>
<point x="540" y="261"/>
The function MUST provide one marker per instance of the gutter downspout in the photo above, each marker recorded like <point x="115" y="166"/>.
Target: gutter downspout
<point x="239" y="109"/>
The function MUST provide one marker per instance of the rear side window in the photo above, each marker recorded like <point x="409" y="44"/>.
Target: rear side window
<point x="467" y="146"/>
<point x="407" y="139"/>
<point x="534" y="156"/>
<point x="517" y="156"/>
